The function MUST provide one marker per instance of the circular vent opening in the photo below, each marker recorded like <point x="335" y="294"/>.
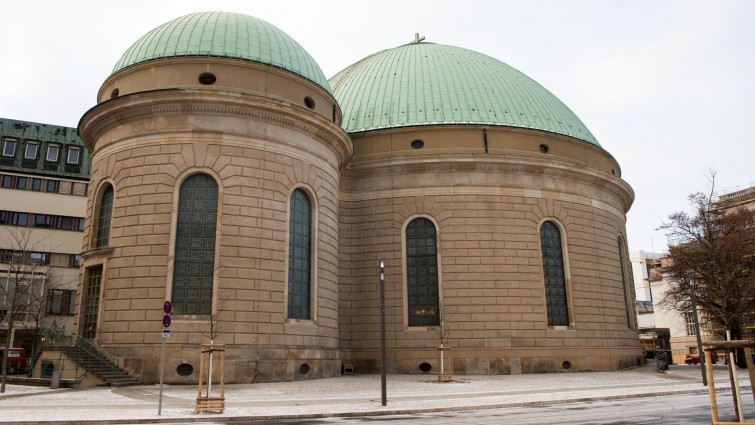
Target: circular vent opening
<point x="309" y="102"/>
<point x="566" y="365"/>
<point x="544" y="148"/>
<point x="207" y="78"/>
<point x="185" y="369"/>
<point x="304" y="369"/>
<point x="425" y="367"/>
<point x="114" y="93"/>
<point x="418" y="144"/>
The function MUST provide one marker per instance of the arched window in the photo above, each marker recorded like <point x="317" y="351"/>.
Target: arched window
<point x="624" y="285"/>
<point x="103" y="219"/>
<point x="556" y="299"/>
<point x="300" y="256"/>
<point x="194" y="261"/>
<point x="422" y="273"/>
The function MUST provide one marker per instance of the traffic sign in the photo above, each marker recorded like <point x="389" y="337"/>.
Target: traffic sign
<point x="167" y="307"/>
<point x="166" y="333"/>
<point x="166" y="321"/>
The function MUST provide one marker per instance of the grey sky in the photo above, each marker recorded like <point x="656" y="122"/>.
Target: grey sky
<point x="667" y="87"/>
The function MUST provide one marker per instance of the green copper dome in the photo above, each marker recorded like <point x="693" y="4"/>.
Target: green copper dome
<point x="224" y="35"/>
<point x="432" y="84"/>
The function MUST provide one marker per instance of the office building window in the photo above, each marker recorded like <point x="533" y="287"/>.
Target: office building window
<point x="52" y="153"/>
<point x="73" y="155"/>
<point x="61" y="301"/>
<point x="9" y="147"/>
<point x="31" y="150"/>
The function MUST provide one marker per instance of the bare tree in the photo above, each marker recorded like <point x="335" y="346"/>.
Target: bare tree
<point x="712" y="257"/>
<point x="22" y="285"/>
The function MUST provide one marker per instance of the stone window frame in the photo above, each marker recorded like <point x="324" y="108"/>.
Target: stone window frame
<point x="95" y="240"/>
<point x="567" y="274"/>
<point x="180" y="179"/>
<point x="314" y="240"/>
<point x="405" y="267"/>
<point x="626" y="281"/>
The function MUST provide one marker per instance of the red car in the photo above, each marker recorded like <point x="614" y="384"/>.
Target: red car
<point x="695" y="358"/>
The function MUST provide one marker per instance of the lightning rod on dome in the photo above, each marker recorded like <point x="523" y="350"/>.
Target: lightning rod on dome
<point x="417" y="38"/>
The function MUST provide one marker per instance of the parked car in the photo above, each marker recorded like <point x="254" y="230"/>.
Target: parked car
<point x="695" y="358"/>
<point x="16" y="360"/>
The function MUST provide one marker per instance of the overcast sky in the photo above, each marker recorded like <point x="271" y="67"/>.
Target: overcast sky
<point x="667" y="87"/>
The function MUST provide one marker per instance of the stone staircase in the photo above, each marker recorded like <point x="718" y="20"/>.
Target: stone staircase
<point x="97" y="362"/>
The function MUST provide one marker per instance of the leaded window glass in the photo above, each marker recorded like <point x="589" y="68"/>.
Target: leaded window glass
<point x="422" y="273"/>
<point x="299" y="256"/>
<point x="553" y="273"/>
<point x="624" y="288"/>
<point x="103" y="222"/>
<point x="194" y="260"/>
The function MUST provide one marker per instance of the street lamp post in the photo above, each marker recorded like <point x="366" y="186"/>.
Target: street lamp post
<point x="696" y="322"/>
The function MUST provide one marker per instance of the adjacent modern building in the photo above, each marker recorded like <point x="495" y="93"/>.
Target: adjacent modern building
<point x="44" y="180"/>
<point x="230" y="177"/>
<point x="680" y="325"/>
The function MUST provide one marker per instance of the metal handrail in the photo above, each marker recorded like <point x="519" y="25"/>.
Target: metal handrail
<point x="84" y="344"/>
<point x="91" y="350"/>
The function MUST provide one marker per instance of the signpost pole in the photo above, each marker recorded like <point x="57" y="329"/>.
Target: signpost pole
<point x="383" y="395"/>
<point x="162" y="367"/>
<point x="165" y="334"/>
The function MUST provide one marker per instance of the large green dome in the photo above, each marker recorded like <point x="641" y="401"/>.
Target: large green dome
<point x="224" y="35"/>
<point x="433" y="84"/>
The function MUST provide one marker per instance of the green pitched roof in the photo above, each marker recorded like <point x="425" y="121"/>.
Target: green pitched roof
<point x="433" y="84"/>
<point x="224" y="35"/>
<point x="44" y="135"/>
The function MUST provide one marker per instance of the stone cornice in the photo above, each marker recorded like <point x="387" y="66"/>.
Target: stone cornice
<point x="146" y="105"/>
<point x="489" y="164"/>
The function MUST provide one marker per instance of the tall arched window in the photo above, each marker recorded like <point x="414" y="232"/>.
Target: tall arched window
<point x="300" y="256"/>
<point x="556" y="299"/>
<point x="104" y="216"/>
<point x="194" y="261"/>
<point x="422" y="273"/>
<point x="624" y="285"/>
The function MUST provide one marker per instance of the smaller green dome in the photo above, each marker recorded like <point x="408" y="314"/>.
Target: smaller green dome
<point x="224" y="35"/>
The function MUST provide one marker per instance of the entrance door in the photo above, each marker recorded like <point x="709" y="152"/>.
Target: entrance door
<point x="91" y="302"/>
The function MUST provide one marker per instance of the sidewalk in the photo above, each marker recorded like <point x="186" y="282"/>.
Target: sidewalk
<point x="353" y="395"/>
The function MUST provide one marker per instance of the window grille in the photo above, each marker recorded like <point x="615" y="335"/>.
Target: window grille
<point x="422" y="273"/>
<point x="300" y="256"/>
<point x="194" y="262"/>
<point x="556" y="298"/>
<point x="106" y="212"/>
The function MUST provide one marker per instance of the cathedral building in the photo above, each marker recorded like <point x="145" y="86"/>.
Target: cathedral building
<point x="232" y="178"/>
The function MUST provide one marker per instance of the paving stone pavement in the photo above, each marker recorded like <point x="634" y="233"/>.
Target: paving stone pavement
<point x="351" y="395"/>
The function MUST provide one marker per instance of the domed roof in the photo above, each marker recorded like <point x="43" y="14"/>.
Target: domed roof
<point x="432" y="84"/>
<point x="224" y="35"/>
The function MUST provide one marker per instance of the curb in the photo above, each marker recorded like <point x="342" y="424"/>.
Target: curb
<point x="261" y="418"/>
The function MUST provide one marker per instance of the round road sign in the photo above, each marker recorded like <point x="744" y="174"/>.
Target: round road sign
<point x="166" y="321"/>
<point x="167" y="307"/>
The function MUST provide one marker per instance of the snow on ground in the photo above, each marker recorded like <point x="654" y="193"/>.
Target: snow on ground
<point x="353" y="393"/>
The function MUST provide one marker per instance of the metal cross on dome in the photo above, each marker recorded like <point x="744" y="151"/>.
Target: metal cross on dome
<point x="417" y="38"/>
